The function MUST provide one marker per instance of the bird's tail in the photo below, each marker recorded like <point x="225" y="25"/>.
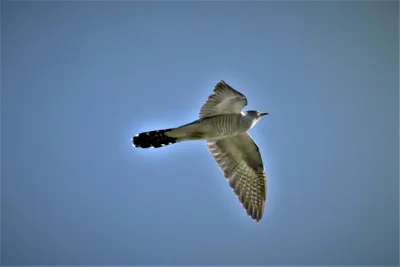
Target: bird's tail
<point x="154" y="139"/>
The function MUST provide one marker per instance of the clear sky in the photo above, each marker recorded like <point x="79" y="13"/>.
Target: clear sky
<point x="79" y="79"/>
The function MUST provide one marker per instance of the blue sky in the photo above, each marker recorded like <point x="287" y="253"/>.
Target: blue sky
<point x="79" y="79"/>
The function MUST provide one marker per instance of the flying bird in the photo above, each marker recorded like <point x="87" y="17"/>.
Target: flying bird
<point x="224" y="127"/>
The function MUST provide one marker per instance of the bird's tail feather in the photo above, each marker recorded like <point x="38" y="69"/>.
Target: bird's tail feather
<point x="161" y="138"/>
<point x="154" y="139"/>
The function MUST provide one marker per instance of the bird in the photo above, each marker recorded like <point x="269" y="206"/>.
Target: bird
<point x="224" y="127"/>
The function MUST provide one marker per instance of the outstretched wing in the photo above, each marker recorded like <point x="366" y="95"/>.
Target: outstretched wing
<point x="240" y="159"/>
<point x="224" y="100"/>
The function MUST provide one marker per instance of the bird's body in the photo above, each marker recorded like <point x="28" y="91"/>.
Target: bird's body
<point x="211" y="128"/>
<point x="224" y="127"/>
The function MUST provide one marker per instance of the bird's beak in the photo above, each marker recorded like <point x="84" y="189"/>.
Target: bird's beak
<point x="263" y="114"/>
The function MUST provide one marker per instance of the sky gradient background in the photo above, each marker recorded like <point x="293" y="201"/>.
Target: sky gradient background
<point x="79" y="79"/>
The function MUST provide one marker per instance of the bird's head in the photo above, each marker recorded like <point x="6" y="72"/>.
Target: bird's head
<point x="256" y="114"/>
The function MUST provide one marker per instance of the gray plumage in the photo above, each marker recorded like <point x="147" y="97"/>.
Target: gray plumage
<point x="224" y="127"/>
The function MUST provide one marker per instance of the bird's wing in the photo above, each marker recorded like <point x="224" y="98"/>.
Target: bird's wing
<point x="224" y="100"/>
<point x="240" y="159"/>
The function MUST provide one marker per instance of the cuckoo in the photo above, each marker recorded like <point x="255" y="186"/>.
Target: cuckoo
<point x="224" y="127"/>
